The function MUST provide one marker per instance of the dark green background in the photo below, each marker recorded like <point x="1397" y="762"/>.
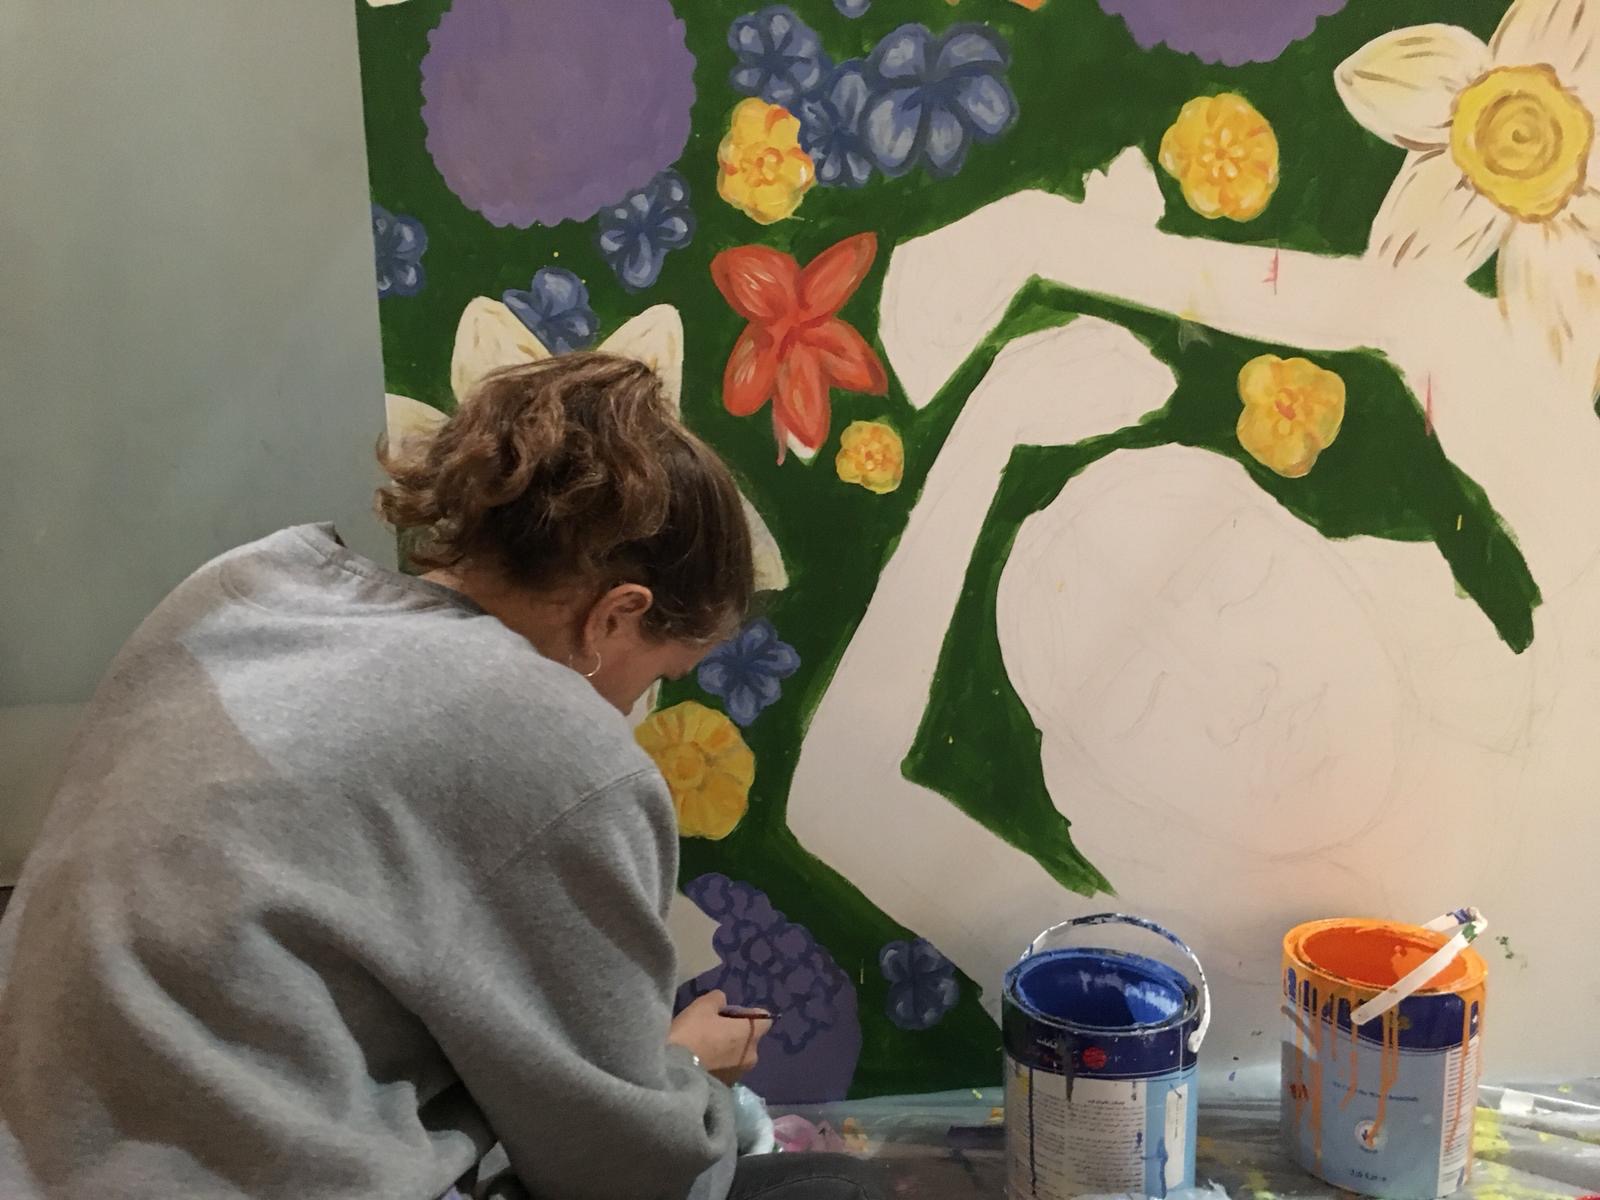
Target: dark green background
<point x="1085" y="92"/>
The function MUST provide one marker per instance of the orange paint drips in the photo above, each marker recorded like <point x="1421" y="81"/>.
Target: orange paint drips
<point x="1350" y="999"/>
<point x="1341" y="964"/>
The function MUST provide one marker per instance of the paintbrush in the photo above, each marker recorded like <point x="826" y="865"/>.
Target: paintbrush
<point x="740" y="1013"/>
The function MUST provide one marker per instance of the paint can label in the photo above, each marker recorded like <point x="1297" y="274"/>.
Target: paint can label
<point x="1090" y="1135"/>
<point x="1380" y="1121"/>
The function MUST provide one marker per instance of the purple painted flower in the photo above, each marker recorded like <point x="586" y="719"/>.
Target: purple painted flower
<point x="1229" y="32"/>
<point x="781" y="58"/>
<point x="555" y="308"/>
<point x="922" y="983"/>
<point x="853" y="8"/>
<point x="932" y="96"/>
<point x="540" y="111"/>
<point x="830" y="127"/>
<point x="748" y="670"/>
<point x="637" y="232"/>
<point x="398" y="244"/>
<point x="770" y="962"/>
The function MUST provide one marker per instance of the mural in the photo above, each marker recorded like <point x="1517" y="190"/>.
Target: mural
<point x="1169" y="435"/>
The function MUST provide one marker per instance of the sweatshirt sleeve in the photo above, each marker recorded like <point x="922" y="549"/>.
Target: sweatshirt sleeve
<point x="555" y="1004"/>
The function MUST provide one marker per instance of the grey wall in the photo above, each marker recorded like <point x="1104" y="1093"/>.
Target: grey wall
<point x="188" y="328"/>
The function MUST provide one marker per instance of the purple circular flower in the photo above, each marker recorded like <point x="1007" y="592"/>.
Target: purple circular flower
<point x="922" y="983"/>
<point x="933" y="96"/>
<point x="540" y="111"/>
<point x="770" y="962"/>
<point x="830" y="127"/>
<point x="637" y="232"/>
<point x="781" y="58"/>
<point x="1229" y="32"/>
<point x="398" y="244"/>
<point x="853" y="8"/>
<point x="555" y="308"/>
<point x="747" y="671"/>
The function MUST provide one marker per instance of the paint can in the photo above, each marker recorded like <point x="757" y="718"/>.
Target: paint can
<point x="1101" y="1046"/>
<point x="1381" y="1052"/>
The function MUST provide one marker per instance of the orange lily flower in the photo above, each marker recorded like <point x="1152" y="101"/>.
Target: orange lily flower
<point x="796" y="347"/>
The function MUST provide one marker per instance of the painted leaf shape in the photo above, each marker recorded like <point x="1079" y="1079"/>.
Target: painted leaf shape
<point x="832" y="277"/>
<point x="803" y="395"/>
<point x="489" y="337"/>
<point x="406" y="419"/>
<point x="771" y="574"/>
<point x="758" y="282"/>
<point x="752" y="370"/>
<point x="655" y="338"/>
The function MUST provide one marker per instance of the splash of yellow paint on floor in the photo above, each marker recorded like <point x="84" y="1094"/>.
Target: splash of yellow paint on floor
<point x="1487" y="1140"/>
<point x="855" y="1137"/>
<point x="1493" y="1182"/>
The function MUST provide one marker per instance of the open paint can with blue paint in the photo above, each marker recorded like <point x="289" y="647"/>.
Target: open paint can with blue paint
<point x="1102" y="1046"/>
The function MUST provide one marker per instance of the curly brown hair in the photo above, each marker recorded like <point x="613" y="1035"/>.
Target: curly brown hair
<point x="576" y="470"/>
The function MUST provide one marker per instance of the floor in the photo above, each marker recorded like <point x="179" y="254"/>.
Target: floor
<point x="1531" y="1143"/>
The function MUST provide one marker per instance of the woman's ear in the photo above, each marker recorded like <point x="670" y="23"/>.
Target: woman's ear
<point x="620" y="611"/>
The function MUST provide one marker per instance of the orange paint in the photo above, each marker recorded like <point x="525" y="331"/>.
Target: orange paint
<point x="1341" y="963"/>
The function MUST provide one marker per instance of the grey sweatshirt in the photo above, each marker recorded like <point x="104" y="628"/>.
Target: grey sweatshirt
<point x="345" y="883"/>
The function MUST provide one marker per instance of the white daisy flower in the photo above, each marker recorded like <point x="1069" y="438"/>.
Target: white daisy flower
<point x="1501" y="159"/>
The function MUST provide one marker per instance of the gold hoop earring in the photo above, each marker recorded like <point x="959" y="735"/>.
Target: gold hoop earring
<point x="590" y="674"/>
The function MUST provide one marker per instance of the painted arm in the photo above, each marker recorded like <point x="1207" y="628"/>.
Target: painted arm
<point x="849" y="802"/>
<point x="1500" y="404"/>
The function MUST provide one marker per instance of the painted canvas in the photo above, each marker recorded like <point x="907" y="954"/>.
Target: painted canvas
<point x="1170" y="432"/>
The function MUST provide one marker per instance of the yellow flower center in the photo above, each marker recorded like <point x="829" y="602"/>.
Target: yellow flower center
<point x="1522" y="140"/>
<point x="1222" y="156"/>
<point x="684" y="767"/>
<point x="762" y="168"/>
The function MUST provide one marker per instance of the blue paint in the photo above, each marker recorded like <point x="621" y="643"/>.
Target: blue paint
<point x="1101" y="1047"/>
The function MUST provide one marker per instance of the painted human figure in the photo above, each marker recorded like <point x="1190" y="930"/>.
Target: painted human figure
<point x="1247" y="723"/>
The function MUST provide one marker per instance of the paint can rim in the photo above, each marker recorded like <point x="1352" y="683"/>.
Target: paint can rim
<point x="1187" y="1015"/>
<point x="1473" y="970"/>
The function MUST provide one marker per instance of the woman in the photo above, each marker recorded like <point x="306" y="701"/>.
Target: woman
<point x="353" y="875"/>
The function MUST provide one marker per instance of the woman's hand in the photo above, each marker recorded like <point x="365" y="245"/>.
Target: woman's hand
<point x="725" y="1046"/>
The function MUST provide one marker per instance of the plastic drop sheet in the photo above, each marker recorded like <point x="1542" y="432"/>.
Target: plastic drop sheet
<point x="1532" y="1141"/>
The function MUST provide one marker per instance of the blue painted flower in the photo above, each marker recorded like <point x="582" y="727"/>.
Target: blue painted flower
<point x="781" y="58"/>
<point x="556" y="309"/>
<point x="933" y="96"/>
<point x="922" y="984"/>
<point x="853" y="8"/>
<point x="637" y="232"/>
<point x="830" y="127"/>
<point x="748" y="670"/>
<point x="398" y="244"/>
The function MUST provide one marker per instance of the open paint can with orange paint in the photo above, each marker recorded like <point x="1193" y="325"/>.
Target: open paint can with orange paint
<point x="1382" y="1023"/>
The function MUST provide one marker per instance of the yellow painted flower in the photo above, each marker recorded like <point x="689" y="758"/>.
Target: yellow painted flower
<point x="706" y="764"/>
<point x="763" y="172"/>
<point x="872" y="455"/>
<point x="1292" y="412"/>
<point x="1224" y="155"/>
